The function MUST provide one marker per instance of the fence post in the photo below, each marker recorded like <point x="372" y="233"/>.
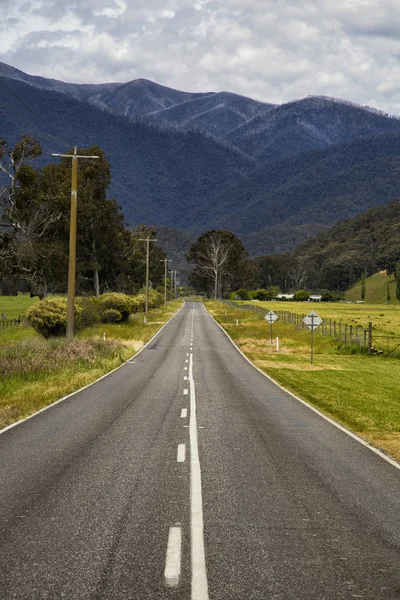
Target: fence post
<point x="345" y="333"/>
<point x="334" y="328"/>
<point x="340" y="330"/>
<point x="369" y="336"/>
<point x="351" y="333"/>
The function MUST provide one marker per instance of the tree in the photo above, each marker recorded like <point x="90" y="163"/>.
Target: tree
<point x="388" y="293"/>
<point x="398" y="281"/>
<point x="363" y="286"/>
<point x="221" y="263"/>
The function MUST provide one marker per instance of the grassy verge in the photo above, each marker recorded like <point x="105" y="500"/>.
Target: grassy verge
<point x="358" y="390"/>
<point x="35" y="372"/>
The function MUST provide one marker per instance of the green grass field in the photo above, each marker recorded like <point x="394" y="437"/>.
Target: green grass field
<point x="35" y="372"/>
<point x="360" y="391"/>
<point x="385" y="318"/>
<point x="375" y="290"/>
<point x="16" y="306"/>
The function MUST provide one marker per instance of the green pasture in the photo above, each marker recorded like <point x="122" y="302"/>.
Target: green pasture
<point x="375" y="289"/>
<point x="385" y="318"/>
<point x="359" y="390"/>
<point x="16" y="306"/>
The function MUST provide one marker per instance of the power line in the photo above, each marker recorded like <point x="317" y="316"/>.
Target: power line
<point x="35" y="115"/>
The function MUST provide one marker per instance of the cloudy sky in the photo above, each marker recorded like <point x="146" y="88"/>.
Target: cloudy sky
<point x="272" y="50"/>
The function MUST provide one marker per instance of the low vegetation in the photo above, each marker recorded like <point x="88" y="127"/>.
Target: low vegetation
<point x="358" y="390"/>
<point x="35" y="371"/>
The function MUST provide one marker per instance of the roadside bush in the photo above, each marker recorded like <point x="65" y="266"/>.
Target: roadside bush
<point x="110" y="315"/>
<point x="49" y="316"/>
<point x="139" y="302"/>
<point x="243" y="294"/>
<point x="301" y="295"/>
<point x="262" y="294"/>
<point x="91" y="311"/>
<point x="116" y="301"/>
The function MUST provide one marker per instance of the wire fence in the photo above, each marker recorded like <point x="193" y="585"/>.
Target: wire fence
<point x="6" y="324"/>
<point x="343" y="332"/>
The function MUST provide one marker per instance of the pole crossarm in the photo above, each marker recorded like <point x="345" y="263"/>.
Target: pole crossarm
<point x="72" y="239"/>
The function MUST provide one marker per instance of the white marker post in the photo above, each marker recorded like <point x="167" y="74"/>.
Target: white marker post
<point x="271" y="317"/>
<point x="312" y="320"/>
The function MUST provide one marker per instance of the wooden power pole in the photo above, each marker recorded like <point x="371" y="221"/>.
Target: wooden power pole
<point x="72" y="241"/>
<point x="147" y="240"/>
<point x="165" y="261"/>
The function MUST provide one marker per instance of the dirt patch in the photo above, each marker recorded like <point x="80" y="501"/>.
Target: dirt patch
<point x="275" y="364"/>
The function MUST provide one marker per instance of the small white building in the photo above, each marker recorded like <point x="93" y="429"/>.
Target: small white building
<point x="284" y="297"/>
<point x="315" y="298"/>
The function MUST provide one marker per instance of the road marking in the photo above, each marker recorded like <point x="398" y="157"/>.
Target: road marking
<point x="186" y="361"/>
<point x="199" y="573"/>
<point x="185" y="392"/>
<point x="187" y="353"/>
<point x="184" y="413"/>
<point x="181" y="453"/>
<point x="185" y="378"/>
<point x="173" y="560"/>
<point x="315" y="410"/>
<point x="186" y="368"/>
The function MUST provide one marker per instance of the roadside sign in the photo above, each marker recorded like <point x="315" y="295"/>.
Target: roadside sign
<point x="271" y="317"/>
<point x="312" y="320"/>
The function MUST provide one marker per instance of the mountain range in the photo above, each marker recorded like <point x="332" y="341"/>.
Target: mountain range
<point x="274" y="174"/>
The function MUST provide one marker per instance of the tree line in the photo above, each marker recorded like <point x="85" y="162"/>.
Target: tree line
<point x="34" y="227"/>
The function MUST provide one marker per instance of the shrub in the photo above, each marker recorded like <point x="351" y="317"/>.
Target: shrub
<point x="139" y="302"/>
<point x="243" y="294"/>
<point x="49" y="316"/>
<point x="119" y="302"/>
<point x="91" y="311"/>
<point x="262" y="294"/>
<point x="301" y="295"/>
<point x="110" y="315"/>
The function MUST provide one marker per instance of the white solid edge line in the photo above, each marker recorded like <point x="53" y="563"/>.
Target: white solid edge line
<point x="198" y="560"/>
<point x="173" y="559"/>
<point x="181" y="454"/>
<point x="183" y="413"/>
<point x="89" y="384"/>
<point x="391" y="461"/>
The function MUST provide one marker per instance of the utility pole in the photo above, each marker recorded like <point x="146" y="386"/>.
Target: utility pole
<point x="147" y="240"/>
<point x="172" y="283"/>
<point x="72" y="241"/>
<point x="176" y="272"/>
<point x="165" y="261"/>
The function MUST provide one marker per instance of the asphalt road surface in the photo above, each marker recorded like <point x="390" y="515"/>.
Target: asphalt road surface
<point x="188" y="475"/>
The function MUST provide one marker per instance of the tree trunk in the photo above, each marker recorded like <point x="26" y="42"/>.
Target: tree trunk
<point x="96" y="283"/>
<point x="216" y="286"/>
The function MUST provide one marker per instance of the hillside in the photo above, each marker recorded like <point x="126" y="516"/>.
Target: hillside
<point x="376" y="289"/>
<point x="159" y="173"/>
<point x="296" y="169"/>
<point x="312" y="190"/>
<point x="309" y="124"/>
<point x="367" y="243"/>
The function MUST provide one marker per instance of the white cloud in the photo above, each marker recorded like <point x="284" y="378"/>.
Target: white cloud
<point x="272" y="50"/>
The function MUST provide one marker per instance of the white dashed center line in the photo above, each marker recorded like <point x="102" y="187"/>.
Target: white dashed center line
<point x="181" y="453"/>
<point x="173" y="561"/>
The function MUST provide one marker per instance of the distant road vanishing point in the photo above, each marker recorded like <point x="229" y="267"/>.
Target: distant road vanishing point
<point x="187" y="474"/>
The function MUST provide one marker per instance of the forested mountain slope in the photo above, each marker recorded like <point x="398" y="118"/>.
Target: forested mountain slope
<point x="158" y="173"/>
<point x="309" y="124"/>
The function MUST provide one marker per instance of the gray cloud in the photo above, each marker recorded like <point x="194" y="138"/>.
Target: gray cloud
<point x="273" y="50"/>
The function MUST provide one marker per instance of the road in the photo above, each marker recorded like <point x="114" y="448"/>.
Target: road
<point x="187" y="474"/>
